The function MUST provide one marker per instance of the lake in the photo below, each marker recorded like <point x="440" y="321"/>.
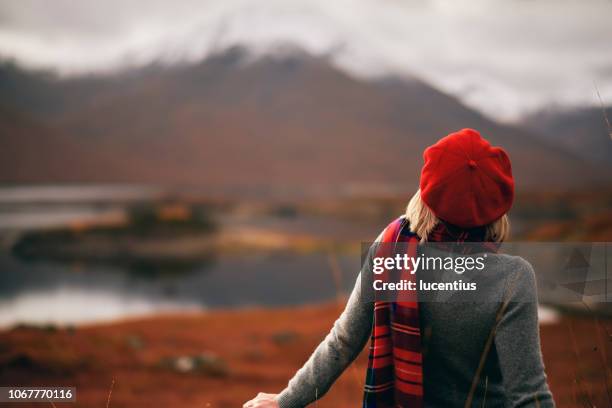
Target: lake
<point x="42" y="292"/>
<point x="78" y="292"/>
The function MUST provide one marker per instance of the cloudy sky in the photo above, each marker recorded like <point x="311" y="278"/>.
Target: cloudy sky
<point x="503" y="57"/>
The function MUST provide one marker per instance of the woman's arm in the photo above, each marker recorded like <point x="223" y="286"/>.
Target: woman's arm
<point x="517" y="341"/>
<point x="344" y="342"/>
<point x="340" y="347"/>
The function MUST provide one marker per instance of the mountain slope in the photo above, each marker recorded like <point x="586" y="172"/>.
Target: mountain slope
<point x="583" y="131"/>
<point x="34" y="152"/>
<point x="279" y="122"/>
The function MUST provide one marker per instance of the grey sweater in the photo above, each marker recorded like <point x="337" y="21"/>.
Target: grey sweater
<point x="454" y="337"/>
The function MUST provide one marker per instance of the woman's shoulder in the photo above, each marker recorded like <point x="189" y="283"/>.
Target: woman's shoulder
<point x="517" y="272"/>
<point x="514" y="262"/>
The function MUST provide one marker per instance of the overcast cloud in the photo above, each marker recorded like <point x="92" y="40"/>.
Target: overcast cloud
<point x="505" y="58"/>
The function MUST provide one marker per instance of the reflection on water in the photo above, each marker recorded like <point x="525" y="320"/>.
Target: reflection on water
<point x="75" y="193"/>
<point x="45" y="292"/>
<point x="71" y="305"/>
<point x="84" y="290"/>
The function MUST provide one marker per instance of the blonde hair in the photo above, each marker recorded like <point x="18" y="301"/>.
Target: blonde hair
<point x="422" y="221"/>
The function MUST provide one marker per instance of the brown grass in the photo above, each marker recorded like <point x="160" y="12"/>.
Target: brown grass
<point x="246" y="340"/>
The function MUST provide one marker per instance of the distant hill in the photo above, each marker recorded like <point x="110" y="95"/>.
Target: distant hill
<point x="35" y="152"/>
<point x="291" y="121"/>
<point x="583" y="131"/>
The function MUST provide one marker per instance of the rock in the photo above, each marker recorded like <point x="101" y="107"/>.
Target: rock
<point x="207" y="363"/>
<point x="184" y="364"/>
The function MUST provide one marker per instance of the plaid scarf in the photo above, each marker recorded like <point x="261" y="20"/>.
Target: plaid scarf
<point x="395" y="367"/>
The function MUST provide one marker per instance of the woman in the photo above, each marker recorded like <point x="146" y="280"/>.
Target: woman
<point x="455" y="354"/>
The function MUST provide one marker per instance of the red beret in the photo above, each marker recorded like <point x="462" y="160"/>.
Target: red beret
<point x="465" y="181"/>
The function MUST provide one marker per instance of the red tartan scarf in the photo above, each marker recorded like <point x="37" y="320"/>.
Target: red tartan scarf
<point x="395" y="366"/>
